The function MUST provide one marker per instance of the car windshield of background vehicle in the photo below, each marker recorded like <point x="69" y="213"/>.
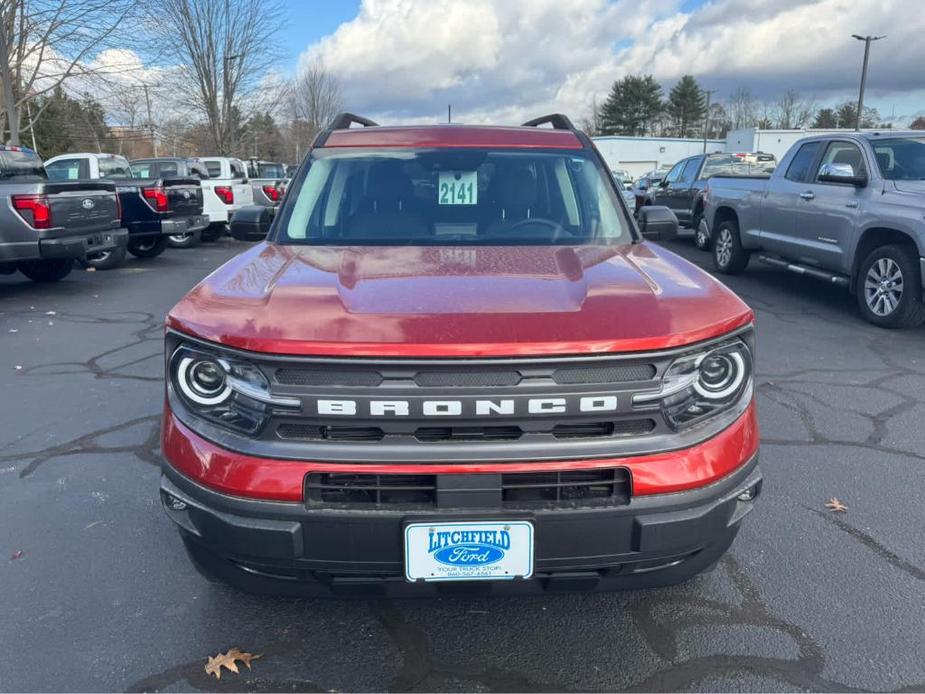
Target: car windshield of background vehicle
<point x="21" y="165"/>
<point x="114" y="167"/>
<point x="901" y="158"/>
<point x="454" y="197"/>
<point x="271" y="171"/>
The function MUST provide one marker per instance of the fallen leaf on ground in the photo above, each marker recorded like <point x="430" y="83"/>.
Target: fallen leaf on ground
<point x="16" y="555"/>
<point x="834" y="504"/>
<point x="214" y="666"/>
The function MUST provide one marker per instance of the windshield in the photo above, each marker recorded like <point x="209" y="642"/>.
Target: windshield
<point x="453" y="196"/>
<point x="268" y="170"/>
<point x="21" y="164"/>
<point x="901" y="158"/>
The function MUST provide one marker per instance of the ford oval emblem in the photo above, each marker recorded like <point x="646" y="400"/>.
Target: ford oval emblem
<point x="87" y="204"/>
<point x="471" y="554"/>
<point x="186" y="195"/>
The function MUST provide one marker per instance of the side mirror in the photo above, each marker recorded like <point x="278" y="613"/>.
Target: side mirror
<point x="657" y="223"/>
<point x="841" y="173"/>
<point x="252" y="223"/>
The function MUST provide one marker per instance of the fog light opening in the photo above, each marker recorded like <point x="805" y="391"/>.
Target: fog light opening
<point x="749" y="494"/>
<point x="173" y="503"/>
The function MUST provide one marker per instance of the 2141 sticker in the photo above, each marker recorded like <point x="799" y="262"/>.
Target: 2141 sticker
<point x="458" y="188"/>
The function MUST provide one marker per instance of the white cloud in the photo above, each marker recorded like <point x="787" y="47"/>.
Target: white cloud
<point x="504" y="61"/>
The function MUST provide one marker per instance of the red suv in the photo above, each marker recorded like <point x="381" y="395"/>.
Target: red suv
<point x="456" y="359"/>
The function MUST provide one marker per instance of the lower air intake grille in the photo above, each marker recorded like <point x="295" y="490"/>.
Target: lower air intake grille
<point x="308" y="432"/>
<point x="560" y="489"/>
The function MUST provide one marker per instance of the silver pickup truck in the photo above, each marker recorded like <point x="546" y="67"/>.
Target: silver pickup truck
<point x="848" y="209"/>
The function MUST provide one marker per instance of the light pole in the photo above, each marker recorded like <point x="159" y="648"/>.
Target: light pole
<point x="866" y="40"/>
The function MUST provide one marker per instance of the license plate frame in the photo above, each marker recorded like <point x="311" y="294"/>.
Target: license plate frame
<point x="483" y="550"/>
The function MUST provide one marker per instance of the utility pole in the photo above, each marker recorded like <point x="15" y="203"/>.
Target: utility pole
<point x="706" y="118"/>
<point x="449" y="113"/>
<point x="866" y="40"/>
<point x="150" y="122"/>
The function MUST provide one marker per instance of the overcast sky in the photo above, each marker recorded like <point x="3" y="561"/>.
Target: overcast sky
<point x="506" y="60"/>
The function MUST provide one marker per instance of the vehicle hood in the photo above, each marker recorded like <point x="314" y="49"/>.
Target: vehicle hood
<point x="457" y="301"/>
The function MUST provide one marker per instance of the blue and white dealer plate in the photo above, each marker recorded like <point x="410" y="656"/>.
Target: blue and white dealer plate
<point x="468" y="551"/>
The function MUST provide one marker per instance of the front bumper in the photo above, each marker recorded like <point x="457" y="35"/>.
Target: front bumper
<point x="82" y="245"/>
<point x="290" y="548"/>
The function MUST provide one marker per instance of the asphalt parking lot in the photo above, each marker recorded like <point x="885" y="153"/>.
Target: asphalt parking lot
<point x="96" y="592"/>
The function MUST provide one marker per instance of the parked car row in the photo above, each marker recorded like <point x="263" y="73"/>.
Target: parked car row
<point x="97" y="207"/>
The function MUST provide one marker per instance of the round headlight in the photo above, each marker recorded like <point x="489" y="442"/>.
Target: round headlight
<point x="720" y="375"/>
<point x="203" y="380"/>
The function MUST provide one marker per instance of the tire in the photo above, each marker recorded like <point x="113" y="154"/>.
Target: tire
<point x="188" y="240"/>
<point x="46" y="270"/>
<point x="213" y="232"/>
<point x="106" y="260"/>
<point x="889" y="288"/>
<point x="702" y="238"/>
<point x="729" y="257"/>
<point x="147" y="247"/>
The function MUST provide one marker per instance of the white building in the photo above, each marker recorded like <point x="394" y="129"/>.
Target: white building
<point x="639" y="155"/>
<point x="775" y="142"/>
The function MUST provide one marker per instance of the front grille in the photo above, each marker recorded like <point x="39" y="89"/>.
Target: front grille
<point x="361" y="409"/>
<point x="324" y="377"/>
<point x="466" y="379"/>
<point x="604" y="374"/>
<point x="514" y="490"/>
<point x="308" y="432"/>
<point x="468" y="433"/>
<point x="632" y="427"/>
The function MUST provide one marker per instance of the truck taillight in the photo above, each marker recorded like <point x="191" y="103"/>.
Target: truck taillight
<point x="118" y="208"/>
<point x="272" y="192"/>
<point x="156" y="197"/>
<point x="34" y="209"/>
<point x="225" y="194"/>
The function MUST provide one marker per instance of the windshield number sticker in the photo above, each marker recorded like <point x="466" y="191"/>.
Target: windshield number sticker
<point x="458" y="188"/>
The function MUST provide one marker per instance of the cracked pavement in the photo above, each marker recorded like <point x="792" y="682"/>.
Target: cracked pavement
<point x="102" y="596"/>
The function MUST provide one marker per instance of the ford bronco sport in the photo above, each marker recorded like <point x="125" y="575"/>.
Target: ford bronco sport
<point x="455" y="360"/>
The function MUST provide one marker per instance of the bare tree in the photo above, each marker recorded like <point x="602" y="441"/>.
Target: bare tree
<point x="225" y="49"/>
<point x="44" y="43"/>
<point x="315" y="98"/>
<point x="741" y="108"/>
<point x="793" y="111"/>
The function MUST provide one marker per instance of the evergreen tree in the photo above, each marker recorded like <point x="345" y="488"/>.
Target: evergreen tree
<point x="687" y="106"/>
<point x="918" y="124"/>
<point x="825" y="118"/>
<point x="633" y="103"/>
<point x="66" y="125"/>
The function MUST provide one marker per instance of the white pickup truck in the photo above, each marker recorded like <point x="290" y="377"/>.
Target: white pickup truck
<point x="228" y="184"/>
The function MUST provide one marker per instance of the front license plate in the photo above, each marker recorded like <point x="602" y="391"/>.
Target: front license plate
<point x="469" y="551"/>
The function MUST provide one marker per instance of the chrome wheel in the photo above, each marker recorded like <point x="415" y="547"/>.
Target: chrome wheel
<point x="180" y="238"/>
<point x="883" y="286"/>
<point x="100" y="257"/>
<point x="724" y="247"/>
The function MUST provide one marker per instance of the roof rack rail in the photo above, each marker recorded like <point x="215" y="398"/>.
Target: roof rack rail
<point x="558" y="121"/>
<point x="344" y="120"/>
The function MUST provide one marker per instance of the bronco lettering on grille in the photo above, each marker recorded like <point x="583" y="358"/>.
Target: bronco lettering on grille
<point x="460" y="408"/>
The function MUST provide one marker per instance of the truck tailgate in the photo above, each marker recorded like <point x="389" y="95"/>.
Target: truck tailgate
<point x="184" y="196"/>
<point x="82" y="206"/>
